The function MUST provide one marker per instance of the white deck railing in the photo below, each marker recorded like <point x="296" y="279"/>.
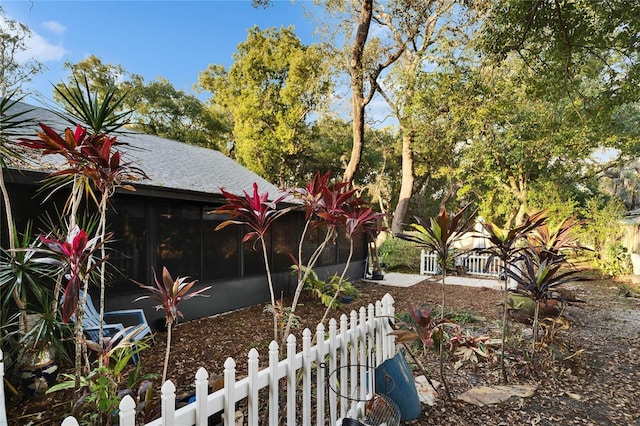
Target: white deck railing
<point x="472" y="263"/>
<point x="342" y="361"/>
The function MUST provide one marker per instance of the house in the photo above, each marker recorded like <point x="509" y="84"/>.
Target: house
<point x="167" y="222"/>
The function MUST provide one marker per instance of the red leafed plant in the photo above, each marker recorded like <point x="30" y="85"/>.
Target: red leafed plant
<point x="73" y="255"/>
<point x="170" y="293"/>
<point x="258" y="213"/>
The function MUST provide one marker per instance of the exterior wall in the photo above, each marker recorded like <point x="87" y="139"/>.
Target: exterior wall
<point x="139" y="246"/>
<point x="229" y="295"/>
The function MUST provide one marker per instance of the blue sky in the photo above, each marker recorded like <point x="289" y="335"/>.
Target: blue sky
<point x="171" y="39"/>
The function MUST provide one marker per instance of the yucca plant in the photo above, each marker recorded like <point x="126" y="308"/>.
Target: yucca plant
<point x="438" y="235"/>
<point x="504" y="244"/>
<point x="12" y="122"/>
<point x="170" y="293"/>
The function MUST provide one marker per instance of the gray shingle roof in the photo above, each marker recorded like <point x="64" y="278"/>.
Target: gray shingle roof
<point x="168" y="164"/>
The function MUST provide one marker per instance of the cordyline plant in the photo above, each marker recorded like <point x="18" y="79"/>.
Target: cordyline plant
<point x="323" y="203"/>
<point x="422" y="327"/>
<point x="438" y="235"/>
<point x="75" y="255"/>
<point x="540" y="280"/>
<point x="258" y="213"/>
<point x="504" y="245"/>
<point x="357" y="220"/>
<point x="92" y="163"/>
<point x="170" y="293"/>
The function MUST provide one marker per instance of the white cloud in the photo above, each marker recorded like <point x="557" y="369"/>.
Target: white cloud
<point x="41" y="49"/>
<point x="38" y="47"/>
<point x="55" y="27"/>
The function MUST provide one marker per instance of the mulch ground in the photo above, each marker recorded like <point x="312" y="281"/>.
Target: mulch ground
<point x="587" y="374"/>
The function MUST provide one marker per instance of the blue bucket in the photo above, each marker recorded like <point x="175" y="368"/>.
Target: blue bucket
<point x="394" y="379"/>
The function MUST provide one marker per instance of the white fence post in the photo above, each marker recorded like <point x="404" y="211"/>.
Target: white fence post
<point x="353" y="359"/>
<point x="127" y="411"/>
<point x="273" y="383"/>
<point x="344" y="364"/>
<point x="320" y="374"/>
<point x="229" y="414"/>
<point x="291" y="380"/>
<point x="202" y="390"/>
<point x="423" y="259"/>
<point x="168" y="399"/>
<point x="332" y="374"/>
<point x="388" y="316"/>
<point x="306" y="377"/>
<point x="254" y="387"/>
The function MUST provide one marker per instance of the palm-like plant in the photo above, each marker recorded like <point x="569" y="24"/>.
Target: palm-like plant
<point x="258" y="213"/>
<point x="504" y="244"/>
<point x="170" y="293"/>
<point x="539" y="280"/>
<point x="438" y="235"/>
<point x="11" y="123"/>
<point x="91" y="159"/>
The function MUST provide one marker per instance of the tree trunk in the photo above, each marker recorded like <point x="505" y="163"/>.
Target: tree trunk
<point x="357" y="89"/>
<point x="406" y="187"/>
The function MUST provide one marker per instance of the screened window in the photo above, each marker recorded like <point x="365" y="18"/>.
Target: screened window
<point x="178" y="234"/>
<point x="221" y="249"/>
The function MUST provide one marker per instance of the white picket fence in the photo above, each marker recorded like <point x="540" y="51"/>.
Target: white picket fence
<point x="472" y="263"/>
<point x="335" y="375"/>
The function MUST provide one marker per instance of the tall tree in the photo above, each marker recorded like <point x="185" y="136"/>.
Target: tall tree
<point x="158" y="108"/>
<point x="430" y="33"/>
<point x="13" y="41"/>
<point x="271" y="89"/>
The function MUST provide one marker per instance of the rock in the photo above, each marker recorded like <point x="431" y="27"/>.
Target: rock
<point x="484" y="395"/>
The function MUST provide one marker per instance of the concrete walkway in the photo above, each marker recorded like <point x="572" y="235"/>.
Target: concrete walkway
<point x="396" y="279"/>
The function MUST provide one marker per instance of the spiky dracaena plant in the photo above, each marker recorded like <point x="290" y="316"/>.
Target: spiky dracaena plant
<point x="170" y="293"/>
<point x="12" y="122"/>
<point x="438" y="234"/>
<point x="504" y="245"/>
<point x="258" y="213"/>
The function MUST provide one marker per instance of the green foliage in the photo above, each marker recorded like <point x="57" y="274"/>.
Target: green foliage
<point x="273" y="85"/>
<point x="14" y="38"/>
<point x="602" y="231"/>
<point x="104" y="386"/>
<point x="399" y="255"/>
<point x="325" y="290"/>
<point x="157" y="107"/>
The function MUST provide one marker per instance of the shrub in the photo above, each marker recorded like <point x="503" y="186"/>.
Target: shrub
<point x="399" y="255"/>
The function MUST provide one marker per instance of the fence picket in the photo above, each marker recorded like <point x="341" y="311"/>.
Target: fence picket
<point x="331" y="372"/>
<point x="306" y="377"/>
<point x="252" y="367"/>
<point x="291" y="380"/>
<point x="320" y="374"/>
<point x="344" y="362"/>
<point x="168" y="403"/>
<point x="127" y="411"/>
<point x="273" y="383"/>
<point x="229" y="414"/>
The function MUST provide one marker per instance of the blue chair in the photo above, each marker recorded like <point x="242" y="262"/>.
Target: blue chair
<point x="113" y="322"/>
